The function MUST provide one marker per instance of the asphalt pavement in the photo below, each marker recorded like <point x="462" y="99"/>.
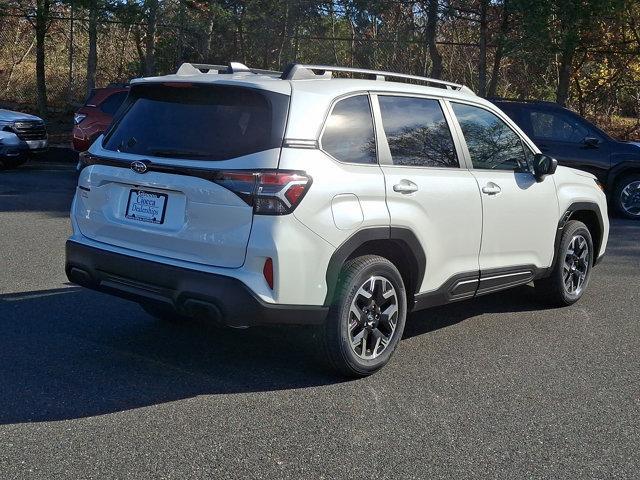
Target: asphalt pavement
<point x="499" y="387"/>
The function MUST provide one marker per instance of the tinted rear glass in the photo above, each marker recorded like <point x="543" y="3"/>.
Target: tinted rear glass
<point x="205" y="122"/>
<point x="349" y="134"/>
<point x="111" y="105"/>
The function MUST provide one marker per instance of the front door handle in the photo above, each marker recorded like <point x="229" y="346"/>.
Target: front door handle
<point x="491" y="189"/>
<point x="405" y="186"/>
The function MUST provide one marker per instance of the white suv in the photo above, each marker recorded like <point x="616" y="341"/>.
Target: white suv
<point x="255" y="197"/>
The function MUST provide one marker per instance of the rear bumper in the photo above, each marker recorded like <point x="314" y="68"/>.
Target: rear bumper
<point x="189" y="292"/>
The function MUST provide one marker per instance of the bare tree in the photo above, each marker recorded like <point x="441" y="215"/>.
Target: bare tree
<point x="92" y="56"/>
<point x="150" y="38"/>
<point x="500" y="49"/>
<point x="41" y="25"/>
<point x="39" y="17"/>
<point x="431" y="33"/>
<point x="482" y="57"/>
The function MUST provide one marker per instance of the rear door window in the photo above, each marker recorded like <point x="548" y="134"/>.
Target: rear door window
<point x="348" y="135"/>
<point x="417" y="132"/>
<point x="191" y="121"/>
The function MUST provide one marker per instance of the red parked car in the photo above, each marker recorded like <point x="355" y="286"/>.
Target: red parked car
<point x="96" y="115"/>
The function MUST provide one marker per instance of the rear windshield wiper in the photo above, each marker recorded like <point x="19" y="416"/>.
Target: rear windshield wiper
<point x="177" y="153"/>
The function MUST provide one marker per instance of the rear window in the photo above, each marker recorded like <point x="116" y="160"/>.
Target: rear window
<point x="205" y="122"/>
<point x="349" y="135"/>
<point x="112" y="103"/>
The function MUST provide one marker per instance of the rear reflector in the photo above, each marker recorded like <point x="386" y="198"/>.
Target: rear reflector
<point x="267" y="271"/>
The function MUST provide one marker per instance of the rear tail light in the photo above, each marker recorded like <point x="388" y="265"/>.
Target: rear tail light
<point x="270" y="193"/>
<point x="85" y="159"/>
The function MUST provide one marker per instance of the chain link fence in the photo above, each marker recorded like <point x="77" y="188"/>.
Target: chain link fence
<point x="121" y="55"/>
<point x="122" y="48"/>
<point x="66" y="60"/>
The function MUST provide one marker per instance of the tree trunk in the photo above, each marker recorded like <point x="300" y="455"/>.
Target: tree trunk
<point x="92" y="57"/>
<point x="333" y="33"/>
<point x="123" y="50"/>
<point x="432" y="32"/>
<point x="240" y="23"/>
<point x="141" y="55"/>
<point x="150" y="39"/>
<point x="482" y="62"/>
<point x="71" y="53"/>
<point x="285" y="31"/>
<point x="497" y="59"/>
<point x="564" y="73"/>
<point x="182" y="19"/>
<point x="41" y="21"/>
<point x="208" y="33"/>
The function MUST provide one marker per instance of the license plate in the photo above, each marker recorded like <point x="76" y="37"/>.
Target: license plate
<point x="146" y="206"/>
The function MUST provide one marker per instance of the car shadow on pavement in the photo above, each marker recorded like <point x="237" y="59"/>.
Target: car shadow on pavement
<point x="73" y="353"/>
<point x="520" y="299"/>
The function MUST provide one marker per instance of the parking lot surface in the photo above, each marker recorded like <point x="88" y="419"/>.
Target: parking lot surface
<point x="92" y="387"/>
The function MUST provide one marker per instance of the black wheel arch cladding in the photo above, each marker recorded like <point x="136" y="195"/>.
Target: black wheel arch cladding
<point x="402" y="239"/>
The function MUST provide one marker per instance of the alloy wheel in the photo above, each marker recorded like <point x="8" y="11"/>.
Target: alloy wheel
<point x="373" y="317"/>
<point x="576" y="265"/>
<point x="630" y="198"/>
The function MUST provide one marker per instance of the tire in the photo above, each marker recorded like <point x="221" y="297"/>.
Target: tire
<point x="571" y="272"/>
<point x="163" y="313"/>
<point x="389" y="295"/>
<point x="626" y="190"/>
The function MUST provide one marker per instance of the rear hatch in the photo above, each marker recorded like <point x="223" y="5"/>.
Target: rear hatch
<point x="168" y="178"/>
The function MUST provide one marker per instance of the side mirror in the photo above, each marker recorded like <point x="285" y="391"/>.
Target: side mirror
<point x="591" y="142"/>
<point x="543" y="165"/>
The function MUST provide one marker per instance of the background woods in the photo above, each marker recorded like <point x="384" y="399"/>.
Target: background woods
<point x="582" y="53"/>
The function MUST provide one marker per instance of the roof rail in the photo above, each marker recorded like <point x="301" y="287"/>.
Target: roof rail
<point x="233" y="67"/>
<point x="299" y="71"/>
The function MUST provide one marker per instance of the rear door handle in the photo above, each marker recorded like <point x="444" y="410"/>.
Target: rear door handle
<point x="491" y="189"/>
<point x="405" y="186"/>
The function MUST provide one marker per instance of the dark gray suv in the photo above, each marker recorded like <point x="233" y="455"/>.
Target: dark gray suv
<point x="576" y="142"/>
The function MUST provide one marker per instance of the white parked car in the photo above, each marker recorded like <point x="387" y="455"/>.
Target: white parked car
<point x="301" y="198"/>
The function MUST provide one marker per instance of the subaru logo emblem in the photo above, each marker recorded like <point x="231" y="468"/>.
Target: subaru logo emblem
<point x="138" y="167"/>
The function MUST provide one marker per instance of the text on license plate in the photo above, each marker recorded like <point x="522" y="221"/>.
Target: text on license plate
<point x="146" y="206"/>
